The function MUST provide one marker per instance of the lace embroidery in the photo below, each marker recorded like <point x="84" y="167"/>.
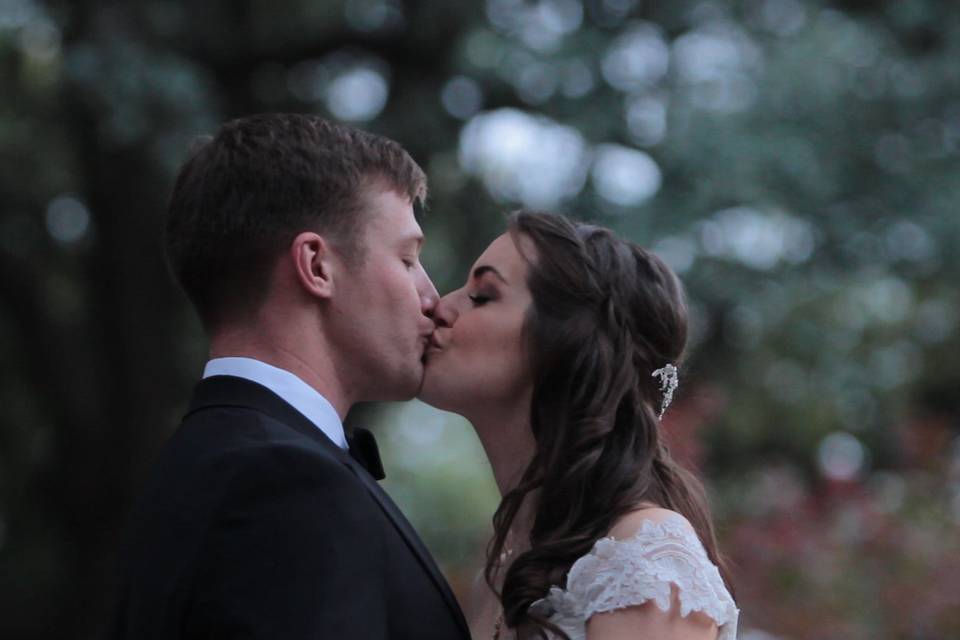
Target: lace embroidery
<point x="621" y="573"/>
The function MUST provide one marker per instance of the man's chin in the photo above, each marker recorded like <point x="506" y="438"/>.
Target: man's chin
<point x="398" y="387"/>
<point x="414" y="381"/>
<point x="424" y="390"/>
<point x="410" y="389"/>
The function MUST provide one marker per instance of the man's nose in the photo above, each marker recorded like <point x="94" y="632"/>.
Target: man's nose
<point x="428" y="295"/>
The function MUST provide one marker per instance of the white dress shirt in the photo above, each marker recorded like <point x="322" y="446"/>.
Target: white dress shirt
<point x="292" y="389"/>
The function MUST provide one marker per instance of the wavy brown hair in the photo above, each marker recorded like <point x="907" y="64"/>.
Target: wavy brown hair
<point x="605" y="314"/>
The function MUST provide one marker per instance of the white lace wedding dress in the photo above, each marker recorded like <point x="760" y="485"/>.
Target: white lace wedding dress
<point x="616" y="574"/>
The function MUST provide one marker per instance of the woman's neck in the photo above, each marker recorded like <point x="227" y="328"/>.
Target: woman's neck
<point x="508" y="442"/>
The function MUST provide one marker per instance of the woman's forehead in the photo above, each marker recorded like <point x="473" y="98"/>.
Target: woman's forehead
<point x="504" y="255"/>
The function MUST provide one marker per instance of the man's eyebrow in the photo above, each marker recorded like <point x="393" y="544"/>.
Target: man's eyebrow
<point x="413" y="238"/>
<point x="486" y="268"/>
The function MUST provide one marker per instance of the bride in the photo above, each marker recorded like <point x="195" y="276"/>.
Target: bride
<point x="561" y="349"/>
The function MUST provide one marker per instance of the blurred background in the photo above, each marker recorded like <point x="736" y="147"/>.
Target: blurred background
<point x="796" y="161"/>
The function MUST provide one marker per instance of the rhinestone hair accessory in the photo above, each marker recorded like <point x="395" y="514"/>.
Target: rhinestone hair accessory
<point x="669" y="380"/>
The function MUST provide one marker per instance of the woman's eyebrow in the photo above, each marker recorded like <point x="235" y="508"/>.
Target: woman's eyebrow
<point x="486" y="268"/>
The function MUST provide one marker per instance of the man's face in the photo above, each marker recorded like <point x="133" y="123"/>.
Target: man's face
<point x="383" y="307"/>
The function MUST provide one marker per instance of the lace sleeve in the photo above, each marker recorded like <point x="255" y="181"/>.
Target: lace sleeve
<point x="621" y="573"/>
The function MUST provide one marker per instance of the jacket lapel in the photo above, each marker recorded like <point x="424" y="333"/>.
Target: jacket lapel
<point x="230" y="391"/>
<point x="413" y="541"/>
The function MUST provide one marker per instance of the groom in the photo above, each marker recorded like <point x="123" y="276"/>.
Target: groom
<point x="296" y="242"/>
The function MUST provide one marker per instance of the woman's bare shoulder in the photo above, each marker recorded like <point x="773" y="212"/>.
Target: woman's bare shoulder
<point x="630" y="523"/>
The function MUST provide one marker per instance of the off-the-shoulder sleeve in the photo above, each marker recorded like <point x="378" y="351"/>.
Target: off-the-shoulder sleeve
<point x="644" y="567"/>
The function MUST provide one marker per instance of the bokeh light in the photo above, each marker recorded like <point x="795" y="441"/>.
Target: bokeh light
<point x="524" y="158"/>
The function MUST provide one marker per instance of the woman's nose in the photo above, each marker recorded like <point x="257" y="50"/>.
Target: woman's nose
<point x="445" y="313"/>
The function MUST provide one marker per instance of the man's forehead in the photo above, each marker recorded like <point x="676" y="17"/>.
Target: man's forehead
<point x="394" y="208"/>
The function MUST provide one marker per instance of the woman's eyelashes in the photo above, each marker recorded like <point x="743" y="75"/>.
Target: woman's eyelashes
<point x="479" y="299"/>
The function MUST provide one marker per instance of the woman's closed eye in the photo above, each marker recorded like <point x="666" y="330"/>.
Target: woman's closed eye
<point x="478" y="299"/>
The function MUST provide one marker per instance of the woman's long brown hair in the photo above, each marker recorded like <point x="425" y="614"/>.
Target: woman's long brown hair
<point x="605" y="314"/>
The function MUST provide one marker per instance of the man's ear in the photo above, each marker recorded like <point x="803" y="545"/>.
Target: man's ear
<point x="315" y="263"/>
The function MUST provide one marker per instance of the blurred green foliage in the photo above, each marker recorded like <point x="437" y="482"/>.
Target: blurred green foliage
<point x="796" y="161"/>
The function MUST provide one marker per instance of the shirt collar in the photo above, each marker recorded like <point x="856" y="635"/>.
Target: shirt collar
<point x="288" y="386"/>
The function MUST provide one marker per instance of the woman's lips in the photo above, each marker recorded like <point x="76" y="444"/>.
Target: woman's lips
<point x="431" y="348"/>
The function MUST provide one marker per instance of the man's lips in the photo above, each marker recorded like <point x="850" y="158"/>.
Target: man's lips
<point x="430" y="346"/>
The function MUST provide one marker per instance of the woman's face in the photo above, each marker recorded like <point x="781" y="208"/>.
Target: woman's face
<point x="477" y="362"/>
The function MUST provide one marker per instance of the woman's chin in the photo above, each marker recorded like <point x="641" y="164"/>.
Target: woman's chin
<point x="432" y="390"/>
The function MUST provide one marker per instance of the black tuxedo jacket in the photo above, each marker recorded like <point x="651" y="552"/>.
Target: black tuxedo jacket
<point x="256" y="525"/>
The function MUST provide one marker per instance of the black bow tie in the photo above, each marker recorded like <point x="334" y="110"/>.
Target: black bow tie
<point x="363" y="448"/>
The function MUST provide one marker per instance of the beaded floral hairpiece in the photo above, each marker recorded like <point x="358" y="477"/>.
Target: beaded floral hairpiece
<point x="669" y="380"/>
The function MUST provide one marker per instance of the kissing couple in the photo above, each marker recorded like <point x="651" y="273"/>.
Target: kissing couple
<point x="295" y="240"/>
